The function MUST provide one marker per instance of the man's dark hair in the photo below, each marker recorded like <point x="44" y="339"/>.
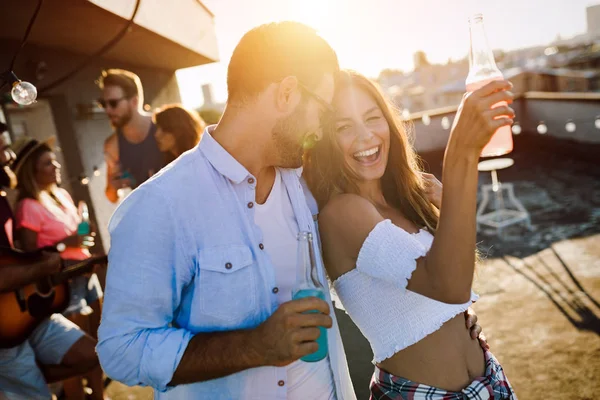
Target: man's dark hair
<point x="271" y="52"/>
<point x="126" y="80"/>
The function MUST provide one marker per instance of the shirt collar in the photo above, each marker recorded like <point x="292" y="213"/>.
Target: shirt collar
<point x="220" y="159"/>
<point x="224" y="162"/>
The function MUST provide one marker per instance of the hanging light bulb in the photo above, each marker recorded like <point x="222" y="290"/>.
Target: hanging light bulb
<point x="597" y="122"/>
<point x="426" y="119"/>
<point x="542" y="128"/>
<point x="516" y="129"/>
<point x="85" y="180"/>
<point x="446" y="123"/>
<point x="23" y="93"/>
<point x="570" y="126"/>
<point x="96" y="171"/>
<point x="405" y="114"/>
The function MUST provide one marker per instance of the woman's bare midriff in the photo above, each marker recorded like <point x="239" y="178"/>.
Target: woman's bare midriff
<point x="447" y="359"/>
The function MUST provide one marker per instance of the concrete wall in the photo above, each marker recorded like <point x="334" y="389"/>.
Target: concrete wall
<point x="82" y="136"/>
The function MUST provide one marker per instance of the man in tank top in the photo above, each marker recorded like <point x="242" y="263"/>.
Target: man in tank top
<point x="131" y="152"/>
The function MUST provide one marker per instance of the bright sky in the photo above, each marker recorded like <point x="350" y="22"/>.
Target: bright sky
<point x="370" y="35"/>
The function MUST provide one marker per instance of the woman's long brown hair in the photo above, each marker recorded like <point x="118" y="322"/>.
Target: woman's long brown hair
<point x="327" y="173"/>
<point x="186" y="126"/>
<point x="26" y="178"/>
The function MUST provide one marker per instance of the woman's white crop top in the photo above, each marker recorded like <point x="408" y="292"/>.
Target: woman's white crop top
<point x="375" y="296"/>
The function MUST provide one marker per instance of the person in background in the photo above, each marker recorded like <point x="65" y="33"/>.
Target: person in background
<point x="131" y="152"/>
<point x="8" y="180"/>
<point x="177" y="130"/>
<point x="47" y="216"/>
<point x="57" y="349"/>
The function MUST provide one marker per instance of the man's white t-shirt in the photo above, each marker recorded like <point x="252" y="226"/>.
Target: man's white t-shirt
<point x="279" y="227"/>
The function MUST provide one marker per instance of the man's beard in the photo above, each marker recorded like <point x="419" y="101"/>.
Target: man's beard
<point x="122" y="121"/>
<point x="288" y="135"/>
<point x="8" y="179"/>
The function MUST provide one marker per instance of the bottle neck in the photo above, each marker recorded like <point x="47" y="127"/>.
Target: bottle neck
<point x="307" y="276"/>
<point x="481" y="58"/>
<point x="83" y="211"/>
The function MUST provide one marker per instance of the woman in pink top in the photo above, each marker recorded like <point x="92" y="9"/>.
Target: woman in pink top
<point x="47" y="216"/>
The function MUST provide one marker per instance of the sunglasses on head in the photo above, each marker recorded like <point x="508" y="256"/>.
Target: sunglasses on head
<point x="110" y="103"/>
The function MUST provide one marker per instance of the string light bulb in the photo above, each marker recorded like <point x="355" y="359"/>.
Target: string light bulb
<point x="570" y="126"/>
<point x="516" y="129"/>
<point x="426" y="120"/>
<point x="85" y="180"/>
<point x="23" y="93"/>
<point x="597" y="122"/>
<point x="446" y="123"/>
<point x="96" y="171"/>
<point x="542" y="128"/>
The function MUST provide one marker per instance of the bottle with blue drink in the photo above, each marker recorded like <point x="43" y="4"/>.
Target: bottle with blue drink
<point x="307" y="285"/>
<point x="84" y="227"/>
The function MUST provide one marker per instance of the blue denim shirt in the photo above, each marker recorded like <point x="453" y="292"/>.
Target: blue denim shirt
<point x="185" y="258"/>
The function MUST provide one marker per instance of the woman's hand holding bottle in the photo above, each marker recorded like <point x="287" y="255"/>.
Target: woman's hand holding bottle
<point x="476" y="120"/>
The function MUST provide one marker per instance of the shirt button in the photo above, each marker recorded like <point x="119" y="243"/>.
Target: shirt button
<point x="281" y="383"/>
<point x="261" y="246"/>
<point x="250" y="205"/>
<point x="228" y="265"/>
<point x="275" y="290"/>
<point x="251" y="180"/>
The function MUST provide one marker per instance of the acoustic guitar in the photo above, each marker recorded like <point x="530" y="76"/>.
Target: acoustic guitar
<point x="24" y="309"/>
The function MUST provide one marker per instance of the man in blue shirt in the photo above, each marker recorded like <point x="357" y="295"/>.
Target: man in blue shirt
<point x="198" y="295"/>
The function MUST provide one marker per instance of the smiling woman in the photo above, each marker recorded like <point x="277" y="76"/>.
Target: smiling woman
<point x="402" y="269"/>
<point x="367" y="134"/>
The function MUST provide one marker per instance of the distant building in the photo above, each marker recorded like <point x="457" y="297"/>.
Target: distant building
<point x="207" y="95"/>
<point x="531" y="80"/>
<point x="593" y="20"/>
<point x="418" y="90"/>
<point x="209" y="103"/>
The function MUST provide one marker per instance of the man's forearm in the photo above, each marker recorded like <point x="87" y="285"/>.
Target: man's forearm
<point x="57" y="373"/>
<point x="215" y="355"/>
<point x="13" y="277"/>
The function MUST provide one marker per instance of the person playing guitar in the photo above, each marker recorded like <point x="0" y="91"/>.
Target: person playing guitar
<point x="56" y="349"/>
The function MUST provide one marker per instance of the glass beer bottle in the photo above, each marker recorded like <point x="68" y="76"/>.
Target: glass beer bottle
<point x="84" y="227"/>
<point x="483" y="70"/>
<point x="309" y="285"/>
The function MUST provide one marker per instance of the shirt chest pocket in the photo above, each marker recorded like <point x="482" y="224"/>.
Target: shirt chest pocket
<point x="227" y="284"/>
